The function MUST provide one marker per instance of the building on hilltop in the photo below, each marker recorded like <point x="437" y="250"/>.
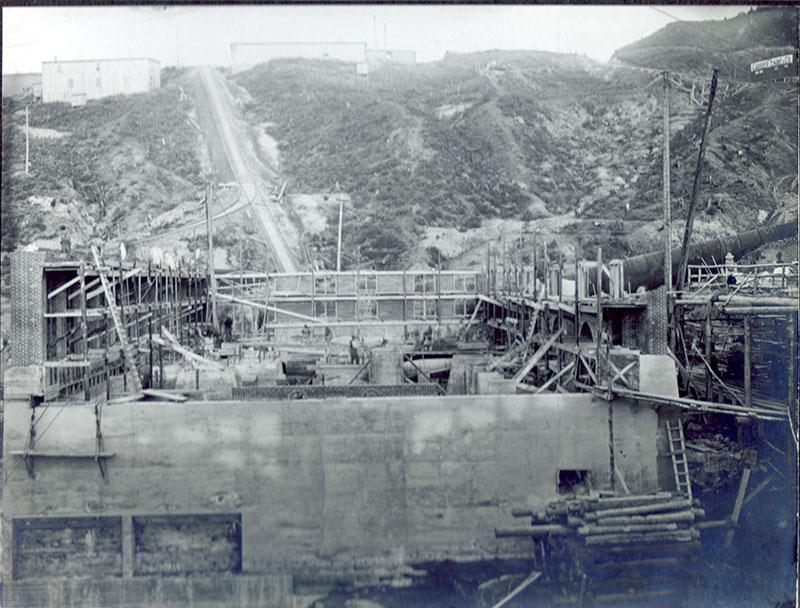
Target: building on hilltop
<point x="77" y="82"/>
<point x="22" y="85"/>
<point x="246" y="55"/>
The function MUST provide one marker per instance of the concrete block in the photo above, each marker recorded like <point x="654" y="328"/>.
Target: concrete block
<point x="23" y="382"/>
<point x="493" y="383"/>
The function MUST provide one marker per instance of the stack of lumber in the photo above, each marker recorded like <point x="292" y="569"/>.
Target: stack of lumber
<point x="622" y="550"/>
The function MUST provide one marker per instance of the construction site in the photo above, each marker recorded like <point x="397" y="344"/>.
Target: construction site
<point x="226" y="408"/>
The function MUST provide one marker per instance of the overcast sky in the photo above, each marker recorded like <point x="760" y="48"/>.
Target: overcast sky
<point x="200" y="35"/>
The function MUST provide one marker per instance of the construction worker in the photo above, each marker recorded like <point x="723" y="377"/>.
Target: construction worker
<point x="354" y="358"/>
<point x="306" y="335"/>
<point x="66" y="244"/>
<point x="227" y="325"/>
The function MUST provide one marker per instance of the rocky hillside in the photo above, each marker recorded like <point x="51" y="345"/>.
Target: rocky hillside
<point x="110" y="167"/>
<point x="729" y="45"/>
<point x="551" y="142"/>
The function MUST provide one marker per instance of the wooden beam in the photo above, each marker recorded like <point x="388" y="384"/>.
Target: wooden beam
<point x="519" y="589"/>
<point x="748" y="394"/>
<point x="737" y="507"/>
<point x="563" y="371"/>
<point x="537" y="356"/>
<point x="621" y="373"/>
<point x="61" y="288"/>
<point x="272" y="309"/>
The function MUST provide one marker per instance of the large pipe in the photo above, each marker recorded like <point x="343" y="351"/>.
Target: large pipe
<point x="646" y="270"/>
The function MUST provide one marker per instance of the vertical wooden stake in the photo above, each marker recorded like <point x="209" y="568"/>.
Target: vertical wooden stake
<point x="599" y="291"/>
<point x="708" y="351"/>
<point x="84" y="335"/>
<point x="747" y="363"/>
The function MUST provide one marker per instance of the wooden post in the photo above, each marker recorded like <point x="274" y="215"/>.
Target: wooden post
<point x="313" y="293"/>
<point x="358" y="280"/>
<point x="84" y="334"/>
<point x="150" y="342"/>
<point x="489" y="266"/>
<point x="212" y="290"/>
<point x="405" y="306"/>
<point x="747" y="362"/>
<point x="503" y="286"/>
<point x="791" y="446"/>
<point x="599" y="290"/>
<point x="439" y="291"/>
<point x="106" y="370"/>
<point x="687" y="234"/>
<point x="611" y="463"/>
<point x="535" y="291"/>
<point x="160" y="366"/>
<point x="708" y="351"/>
<point x="120" y="298"/>
<point x="577" y="306"/>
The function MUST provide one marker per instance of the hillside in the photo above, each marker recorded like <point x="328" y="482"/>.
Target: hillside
<point x="436" y="156"/>
<point x="110" y="167"/>
<point x="729" y="45"/>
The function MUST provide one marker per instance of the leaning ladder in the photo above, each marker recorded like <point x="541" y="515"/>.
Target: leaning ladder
<point x="677" y="449"/>
<point x="130" y="359"/>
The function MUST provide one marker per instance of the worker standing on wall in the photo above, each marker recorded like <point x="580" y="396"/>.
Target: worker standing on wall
<point x="354" y="359"/>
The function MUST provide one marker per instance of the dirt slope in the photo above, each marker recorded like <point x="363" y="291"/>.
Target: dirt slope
<point x="549" y="142"/>
<point x="112" y="166"/>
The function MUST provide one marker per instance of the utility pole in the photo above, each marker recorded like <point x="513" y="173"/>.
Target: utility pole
<point x="339" y="247"/>
<point x="27" y="143"/>
<point x="211" y="276"/>
<point x="687" y="234"/>
<point x="667" y="216"/>
<point x="667" y="203"/>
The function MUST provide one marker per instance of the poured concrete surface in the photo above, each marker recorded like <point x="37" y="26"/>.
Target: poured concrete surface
<point x="330" y="486"/>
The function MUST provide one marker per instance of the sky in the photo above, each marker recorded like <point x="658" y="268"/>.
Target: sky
<point x="201" y="35"/>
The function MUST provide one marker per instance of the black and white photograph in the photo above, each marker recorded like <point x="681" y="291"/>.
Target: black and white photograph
<point x="399" y="305"/>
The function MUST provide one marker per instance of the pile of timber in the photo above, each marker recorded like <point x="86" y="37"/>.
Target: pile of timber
<point x="611" y="521"/>
<point x="617" y="550"/>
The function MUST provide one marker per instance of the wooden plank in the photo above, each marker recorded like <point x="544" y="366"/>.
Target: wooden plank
<point x="65" y="364"/>
<point x="672" y="505"/>
<point x="63" y="287"/>
<point x="151" y="392"/>
<point x="621" y="373"/>
<point x="274" y="309"/>
<point x="519" y="589"/>
<point x="737" y="507"/>
<point x="48" y="454"/>
<point x="563" y="371"/>
<point x="537" y="356"/>
<point x="173" y="344"/>
<point x="536" y="531"/>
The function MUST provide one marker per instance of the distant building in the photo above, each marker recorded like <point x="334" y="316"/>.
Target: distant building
<point x="246" y="55"/>
<point x="378" y="57"/>
<point x="76" y="82"/>
<point x="22" y="85"/>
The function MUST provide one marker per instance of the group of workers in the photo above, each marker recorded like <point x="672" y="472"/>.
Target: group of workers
<point x="778" y="277"/>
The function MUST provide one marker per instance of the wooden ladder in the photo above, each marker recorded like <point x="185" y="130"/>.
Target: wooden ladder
<point x="130" y="360"/>
<point x="677" y="449"/>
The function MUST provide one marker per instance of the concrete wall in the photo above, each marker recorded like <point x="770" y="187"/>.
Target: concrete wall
<point x="334" y="485"/>
<point x="65" y="80"/>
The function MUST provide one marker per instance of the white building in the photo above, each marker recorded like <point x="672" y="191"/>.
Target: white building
<point x="246" y="55"/>
<point x="76" y="82"/>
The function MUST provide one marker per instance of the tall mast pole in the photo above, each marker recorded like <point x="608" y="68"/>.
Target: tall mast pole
<point x="211" y="276"/>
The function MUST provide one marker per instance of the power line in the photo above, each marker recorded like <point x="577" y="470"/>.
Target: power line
<point x="692" y="24"/>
